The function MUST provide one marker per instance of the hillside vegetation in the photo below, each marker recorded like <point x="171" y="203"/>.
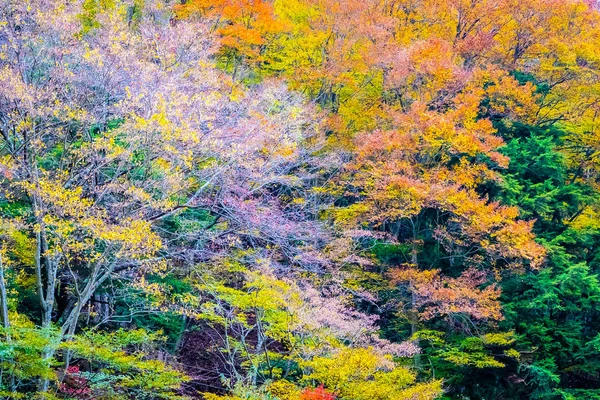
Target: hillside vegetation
<point x="299" y="199"/>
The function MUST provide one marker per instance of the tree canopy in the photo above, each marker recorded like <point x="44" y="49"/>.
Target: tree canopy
<point x="299" y="199"/>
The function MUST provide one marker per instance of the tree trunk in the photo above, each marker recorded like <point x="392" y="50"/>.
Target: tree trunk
<point x="4" y="300"/>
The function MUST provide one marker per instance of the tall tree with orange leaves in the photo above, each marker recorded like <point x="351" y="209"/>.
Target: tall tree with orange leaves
<point x="245" y="28"/>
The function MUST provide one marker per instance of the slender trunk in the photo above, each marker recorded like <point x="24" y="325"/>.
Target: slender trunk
<point x="45" y="290"/>
<point x="46" y="287"/>
<point x="38" y="275"/>
<point x="4" y="300"/>
<point x="5" y="317"/>
<point x="70" y="322"/>
<point x="70" y="325"/>
<point x="414" y="311"/>
<point x="46" y="296"/>
<point x="69" y="336"/>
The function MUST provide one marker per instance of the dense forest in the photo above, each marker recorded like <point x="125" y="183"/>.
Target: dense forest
<point x="300" y="199"/>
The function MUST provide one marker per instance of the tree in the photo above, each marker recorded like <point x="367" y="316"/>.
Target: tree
<point x="245" y="28"/>
<point x="113" y="132"/>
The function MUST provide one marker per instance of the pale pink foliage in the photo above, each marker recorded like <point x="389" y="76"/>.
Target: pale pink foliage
<point x="443" y="296"/>
<point x="335" y="313"/>
<point x="151" y="131"/>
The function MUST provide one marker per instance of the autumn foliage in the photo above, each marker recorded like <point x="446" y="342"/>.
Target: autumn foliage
<point x="299" y="199"/>
<point x="318" y="393"/>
